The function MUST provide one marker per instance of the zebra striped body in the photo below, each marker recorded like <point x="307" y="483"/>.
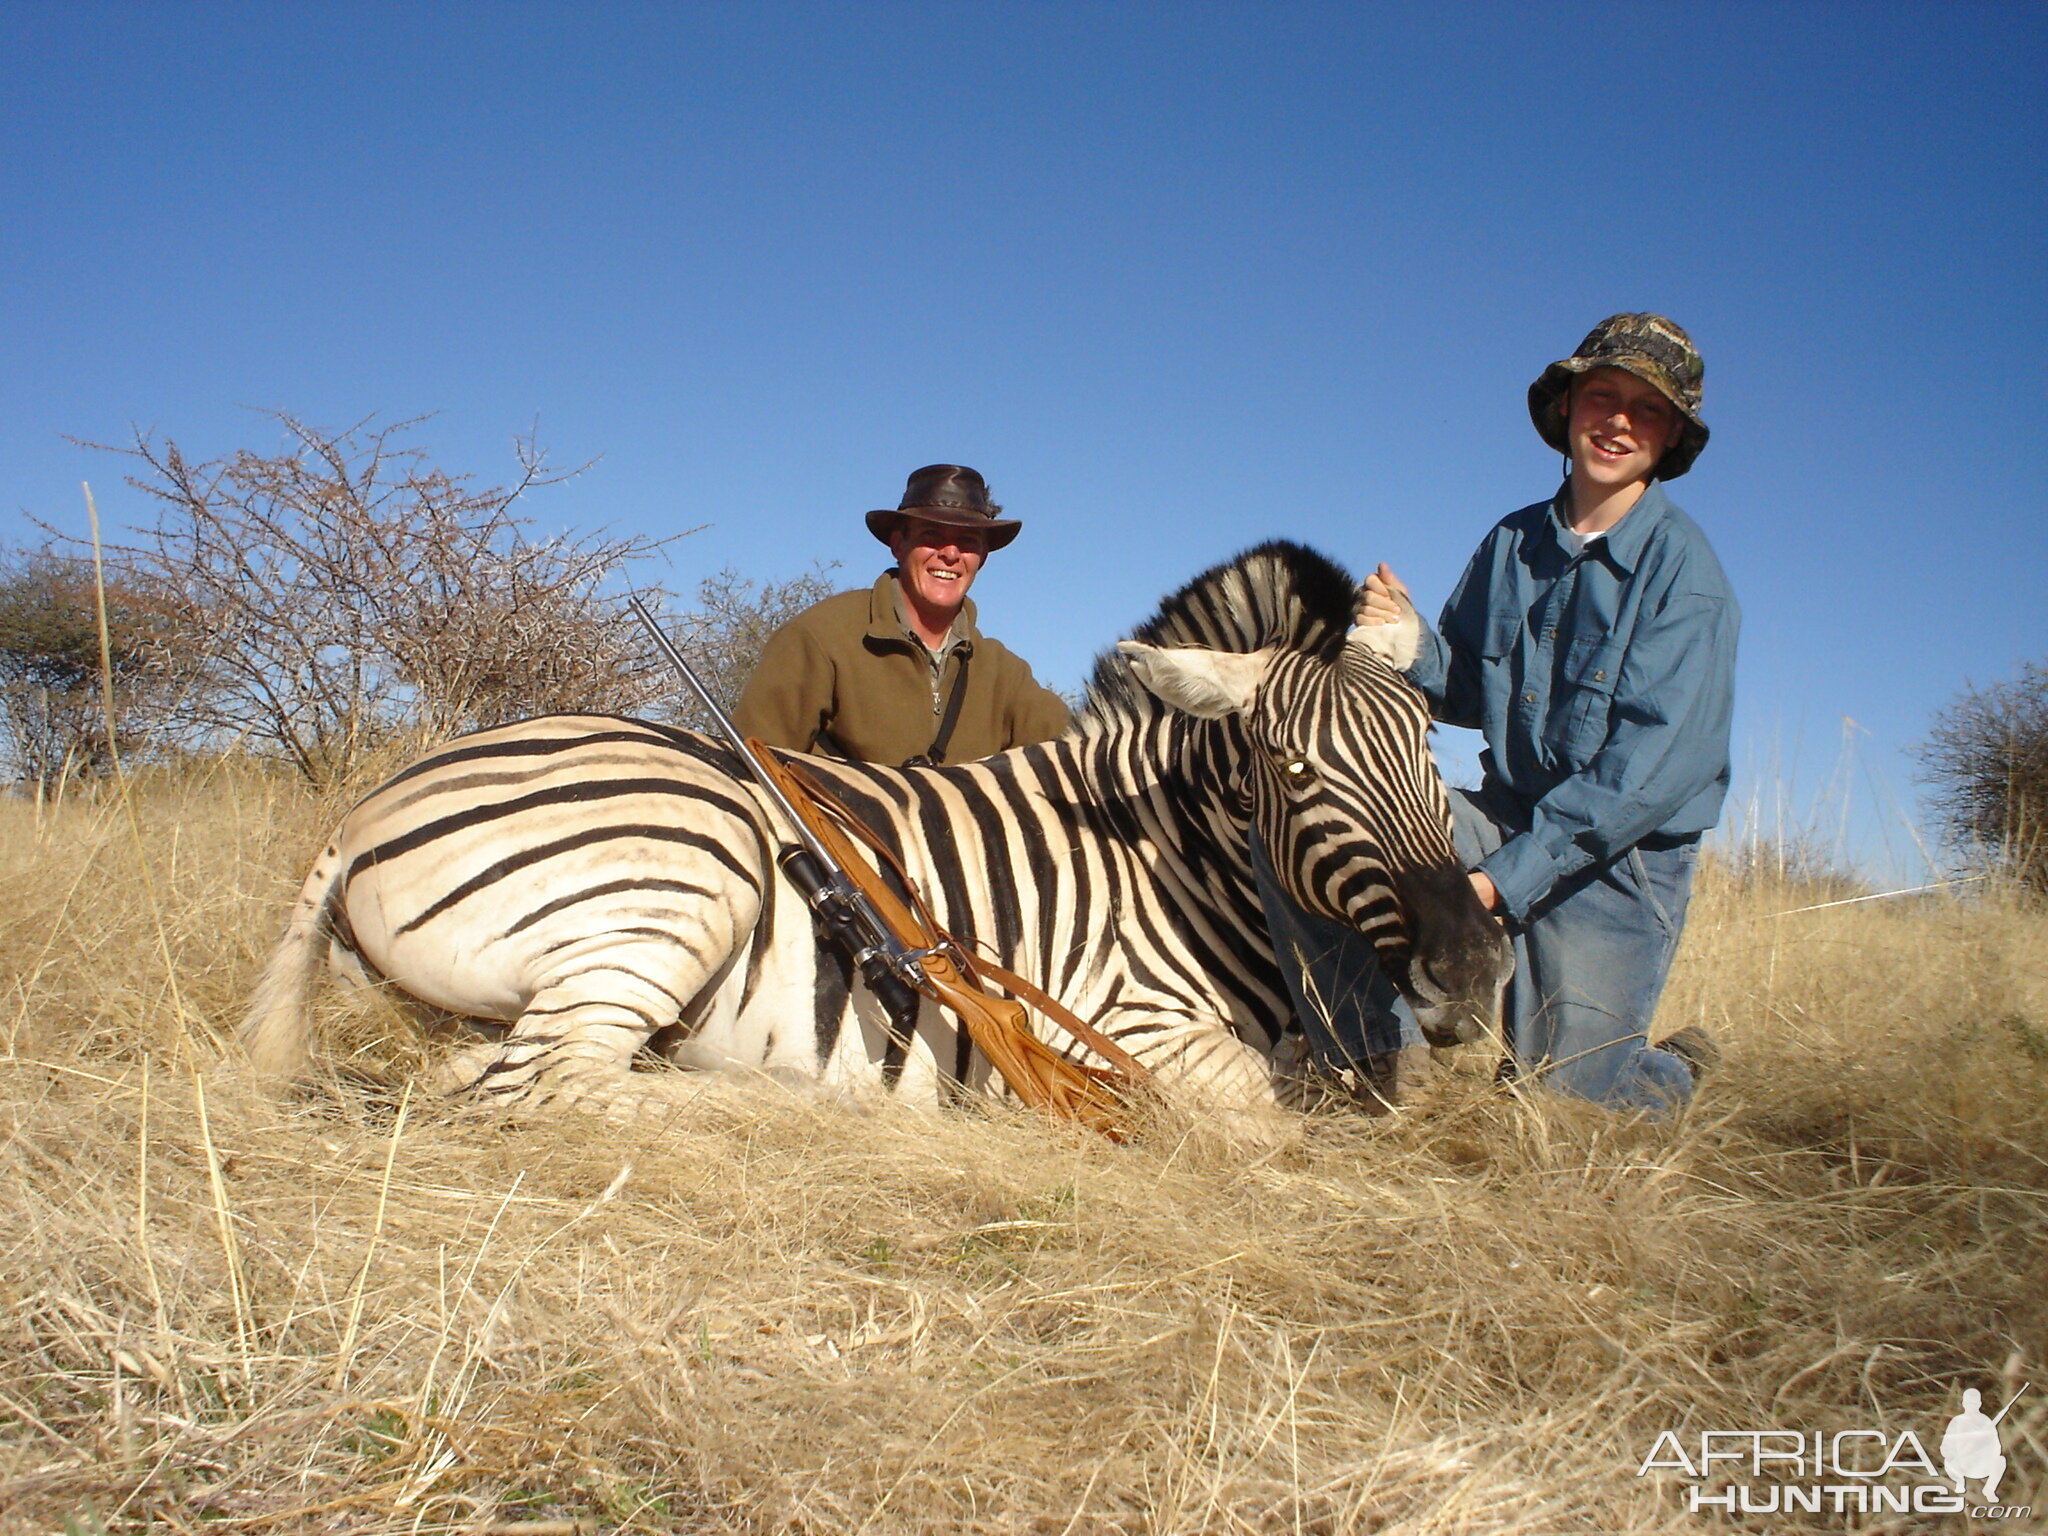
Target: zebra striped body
<point x="598" y="883"/>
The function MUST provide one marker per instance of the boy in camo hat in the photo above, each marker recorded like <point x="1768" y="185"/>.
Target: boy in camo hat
<point x="1592" y="640"/>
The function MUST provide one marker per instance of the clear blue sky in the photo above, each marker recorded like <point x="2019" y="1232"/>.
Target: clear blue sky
<point x="1176" y="277"/>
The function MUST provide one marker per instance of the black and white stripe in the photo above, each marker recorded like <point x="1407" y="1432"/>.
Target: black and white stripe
<point x="598" y="883"/>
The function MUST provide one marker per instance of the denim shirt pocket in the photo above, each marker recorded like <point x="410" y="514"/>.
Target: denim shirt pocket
<point x="1581" y="713"/>
<point x="1497" y="640"/>
<point x="1499" y="668"/>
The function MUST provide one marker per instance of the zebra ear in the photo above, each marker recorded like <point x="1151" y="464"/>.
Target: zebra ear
<point x="1207" y="684"/>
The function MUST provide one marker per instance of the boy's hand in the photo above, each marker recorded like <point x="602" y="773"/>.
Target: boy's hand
<point x="1385" y="622"/>
<point x="1483" y="887"/>
<point x="1381" y="600"/>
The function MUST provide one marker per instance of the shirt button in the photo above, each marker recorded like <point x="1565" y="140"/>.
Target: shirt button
<point x="1528" y="698"/>
<point x="1550" y="634"/>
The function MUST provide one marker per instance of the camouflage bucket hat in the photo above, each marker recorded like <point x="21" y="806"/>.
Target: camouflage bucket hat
<point x="1653" y="349"/>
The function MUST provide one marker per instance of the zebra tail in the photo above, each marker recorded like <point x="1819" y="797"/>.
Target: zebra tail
<point x="277" y="1030"/>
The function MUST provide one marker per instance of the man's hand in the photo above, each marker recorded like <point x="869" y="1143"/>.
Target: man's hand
<point x="1482" y="884"/>
<point x="1382" y="598"/>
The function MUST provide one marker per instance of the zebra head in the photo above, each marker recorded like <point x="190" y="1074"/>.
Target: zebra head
<point x="1329" y="747"/>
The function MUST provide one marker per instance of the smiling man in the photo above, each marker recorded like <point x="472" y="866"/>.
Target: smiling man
<point x="899" y="674"/>
<point x="1592" y="640"/>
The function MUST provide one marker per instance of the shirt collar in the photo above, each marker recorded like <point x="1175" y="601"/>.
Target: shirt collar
<point x="1622" y="545"/>
<point x="888" y="621"/>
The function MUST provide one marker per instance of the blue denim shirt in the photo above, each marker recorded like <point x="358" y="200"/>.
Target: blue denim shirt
<point x="1604" y="683"/>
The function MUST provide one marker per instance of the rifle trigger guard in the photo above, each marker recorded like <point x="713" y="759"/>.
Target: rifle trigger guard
<point x="908" y="967"/>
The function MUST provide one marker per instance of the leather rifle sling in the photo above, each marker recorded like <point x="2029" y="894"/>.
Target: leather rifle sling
<point x="980" y="966"/>
<point x="1039" y="1075"/>
<point x="928" y="932"/>
<point x="936" y="752"/>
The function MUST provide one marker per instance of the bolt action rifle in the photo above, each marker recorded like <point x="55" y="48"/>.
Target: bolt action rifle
<point x="900" y="950"/>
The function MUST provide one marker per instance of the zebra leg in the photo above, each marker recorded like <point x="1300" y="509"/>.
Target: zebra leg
<point x="573" y="1046"/>
<point x="1203" y="1068"/>
<point x="595" y="984"/>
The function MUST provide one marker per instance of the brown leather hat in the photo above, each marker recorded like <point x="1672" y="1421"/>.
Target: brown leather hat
<point x="951" y="494"/>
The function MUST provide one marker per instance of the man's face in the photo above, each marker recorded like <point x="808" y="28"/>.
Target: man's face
<point x="1618" y="426"/>
<point x="937" y="561"/>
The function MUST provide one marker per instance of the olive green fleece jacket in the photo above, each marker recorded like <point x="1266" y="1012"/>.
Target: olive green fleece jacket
<point x="846" y="678"/>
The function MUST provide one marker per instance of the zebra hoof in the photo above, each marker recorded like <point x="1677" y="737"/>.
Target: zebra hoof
<point x="461" y="1073"/>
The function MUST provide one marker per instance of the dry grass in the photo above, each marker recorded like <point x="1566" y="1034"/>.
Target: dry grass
<point x="362" y="1313"/>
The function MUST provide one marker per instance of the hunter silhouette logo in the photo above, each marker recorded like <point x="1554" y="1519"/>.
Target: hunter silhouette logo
<point x="1852" y="1471"/>
<point x="1971" y="1449"/>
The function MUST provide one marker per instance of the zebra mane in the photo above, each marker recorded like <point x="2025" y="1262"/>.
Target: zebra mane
<point x="1275" y="594"/>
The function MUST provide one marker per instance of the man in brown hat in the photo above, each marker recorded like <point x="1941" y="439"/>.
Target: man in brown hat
<point x="899" y="674"/>
<point x="1592" y="640"/>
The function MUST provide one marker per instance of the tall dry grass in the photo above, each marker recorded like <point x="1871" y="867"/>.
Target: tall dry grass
<point x="361" y="1312"/>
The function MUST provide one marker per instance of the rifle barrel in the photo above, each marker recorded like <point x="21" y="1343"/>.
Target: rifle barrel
<point x="2013" y="1399"/>
<point x="730" y="731"/>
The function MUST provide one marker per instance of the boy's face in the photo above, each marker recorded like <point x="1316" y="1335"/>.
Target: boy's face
<point x="1618" y="427"/>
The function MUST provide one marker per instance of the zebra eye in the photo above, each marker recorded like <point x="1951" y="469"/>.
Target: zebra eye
<point x="1295" y="768"/>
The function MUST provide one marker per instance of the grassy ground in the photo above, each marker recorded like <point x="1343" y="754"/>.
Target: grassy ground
<point x="359" y="1312"/>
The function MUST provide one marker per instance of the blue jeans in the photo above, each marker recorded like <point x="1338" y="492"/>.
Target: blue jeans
<point x="1590" y="964"/>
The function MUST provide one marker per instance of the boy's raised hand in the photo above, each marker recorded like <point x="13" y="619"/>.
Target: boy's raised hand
<point x="1385" y="622"/>
<point x="1383" y="598"/>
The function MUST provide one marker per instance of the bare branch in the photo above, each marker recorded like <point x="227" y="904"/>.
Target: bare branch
<point x="345" y="587"/>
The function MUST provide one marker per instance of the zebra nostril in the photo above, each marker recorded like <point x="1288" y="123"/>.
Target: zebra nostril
<point x="1428" y="987"/>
